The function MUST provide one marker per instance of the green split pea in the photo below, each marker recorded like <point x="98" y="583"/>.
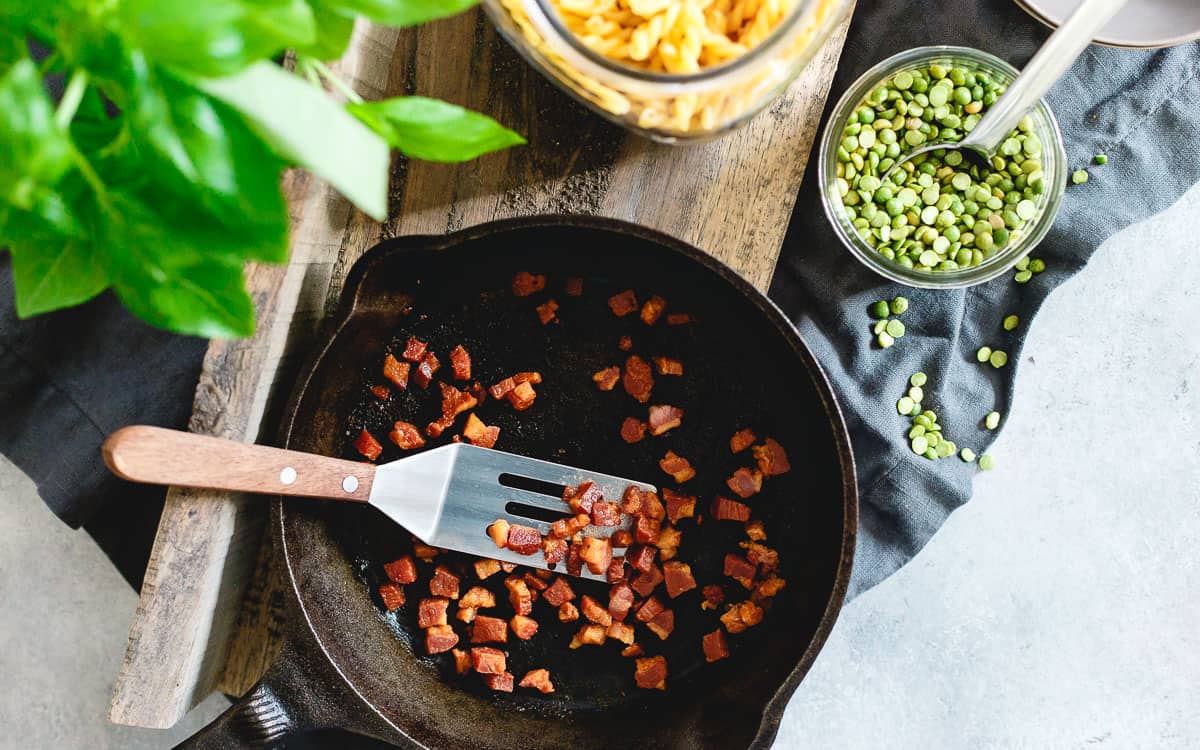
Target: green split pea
<point x="937" y="212"/>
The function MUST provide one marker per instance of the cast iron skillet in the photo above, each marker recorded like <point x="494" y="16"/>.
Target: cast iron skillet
<point x="350" y="664"/>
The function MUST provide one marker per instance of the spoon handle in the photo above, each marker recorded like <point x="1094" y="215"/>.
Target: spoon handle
<point x="1042" y="72"/>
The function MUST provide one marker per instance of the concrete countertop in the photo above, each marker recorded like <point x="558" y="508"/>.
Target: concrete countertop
<point x="1059" y="609"/>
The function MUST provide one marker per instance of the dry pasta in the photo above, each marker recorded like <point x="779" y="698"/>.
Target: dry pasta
<point x="678" y="37"/>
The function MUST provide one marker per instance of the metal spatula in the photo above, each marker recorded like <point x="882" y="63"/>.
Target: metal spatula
<point x="446" y="496"/>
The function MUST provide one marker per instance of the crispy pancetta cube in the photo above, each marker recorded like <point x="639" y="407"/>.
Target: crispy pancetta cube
<point x="414" y="349"/>
<point x="745" y="483"/>
<point x="622" y="304"/>
<point x="677" y="466"/>
<point x="547" y="311"/>
<point x="501" y="683"/>
<point x="641" y="557"/>
<point x="522" y="396"/>
<point x="772" y="458"/>
<point x="489" y="630"/>
<point x="525" y="283"/>
<point x="488" y="660"/>
<point x="589" y="635"/>
<point x="554" y="550"/>
<point x="653" y="310"/>
<point x="662" y="624"/>
<point x="367" y="445"/>
<point x="664" y="418"/>
<point x="478" y="597"/>
<point x="638" y="380"/>
<point x="487" y="567"/>
<point x="432" y="611"/>
<point x="714" y="596"/>
<point x="392" y="595"/>
<point x="406" y="436"/>
<point x="402" y="570"/>
<point x="679" y="505"/>
<point x="519" y="595"/>
<point x="606" y="514"/>
<point x="462" y="661"/>
<point x="741" y="616"/>
<point x="724" y="509"/>
<point x="568" y="612"/>
<point x="678" y="578"/>
<point x="444" y="583"/>
<point x="498" y="532"/>
<point x="741" y="440"/>
<point x="396" y="371"/>
<point x="714" y="645"/>
<point x="538" y="679"/>
<point x="477" y="433"/>
<point x="668" y="366"/>
<point x="645" y="584"/>
<point x="633" y="430"/>
<point x="607" y="378"/>
<point x="620" y="599"/>
<point x="460" y="363"/>
<point x="440" y="638"/>
<point x="523" y="627"/>
<point x="740" y="569"/>
<point x="596" y="553"/>
<point x="524" y="540"/>
<point x="558" y="592"/>
<point x="651" y="673"/>
<point x="594" y="611"/>
<point x="426" y="368"/>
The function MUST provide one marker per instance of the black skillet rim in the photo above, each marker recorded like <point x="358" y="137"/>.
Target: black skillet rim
<point x="772" y="713"/>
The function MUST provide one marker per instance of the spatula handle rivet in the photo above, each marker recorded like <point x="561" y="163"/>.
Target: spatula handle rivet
<point x="350" y="483"/>
<point x="287" y="475"/>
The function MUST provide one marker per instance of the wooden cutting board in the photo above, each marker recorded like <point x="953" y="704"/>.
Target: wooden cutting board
<point x="212" y="601"/>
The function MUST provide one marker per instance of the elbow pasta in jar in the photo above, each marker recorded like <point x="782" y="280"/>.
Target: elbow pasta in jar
<point x="673" y="70"/>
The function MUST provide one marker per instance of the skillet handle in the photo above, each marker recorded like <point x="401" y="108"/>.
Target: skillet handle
<point x="300" y="693"/>
<point x="160" y="456"/>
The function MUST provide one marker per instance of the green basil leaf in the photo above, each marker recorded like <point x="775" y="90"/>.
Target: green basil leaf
<point x="405" y="12"/>
<point x="36" y="151"/>
<point x="206" y="299"/>
<point x="200" y="165"/>
<point x="434" y="130"/>
<point x="165" y="272"/>
<point x="215" y="37"/>
<point x="334" y="29"/>
<point x="53" y="273"/>
<point x="309" y="128"/>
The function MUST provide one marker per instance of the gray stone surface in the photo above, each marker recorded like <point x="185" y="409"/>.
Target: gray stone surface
<point x="1058" y="609"/>
<point x="64" y="619"/>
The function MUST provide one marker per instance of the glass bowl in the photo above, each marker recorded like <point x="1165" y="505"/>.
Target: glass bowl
<point x="669" y="107"/>
<point x="1054" y="167"/>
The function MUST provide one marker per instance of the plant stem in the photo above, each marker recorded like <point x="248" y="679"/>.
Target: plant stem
<point x="350" y="94"/>
<point x="310" y="73"/>
<point x="71" y="98"/>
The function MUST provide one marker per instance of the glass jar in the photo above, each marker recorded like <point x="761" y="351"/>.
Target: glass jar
<point x="670" y="107"/>
<point x="1054" y="167"/>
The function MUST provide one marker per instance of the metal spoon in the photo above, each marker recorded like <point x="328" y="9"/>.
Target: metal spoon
<point x="1042" y="72"/>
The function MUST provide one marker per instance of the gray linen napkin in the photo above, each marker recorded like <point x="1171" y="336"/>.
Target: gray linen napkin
<point x="1141" y="108"/>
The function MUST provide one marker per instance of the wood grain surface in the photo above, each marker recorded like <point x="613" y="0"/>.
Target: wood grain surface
<point x="140" y="453"/>
<point x="212" y="603"/>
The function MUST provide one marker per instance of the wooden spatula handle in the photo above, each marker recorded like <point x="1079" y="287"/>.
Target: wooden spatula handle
<point x="160" y="456"/>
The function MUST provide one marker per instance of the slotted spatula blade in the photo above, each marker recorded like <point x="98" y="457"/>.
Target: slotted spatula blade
<point x="448" y="497"/>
